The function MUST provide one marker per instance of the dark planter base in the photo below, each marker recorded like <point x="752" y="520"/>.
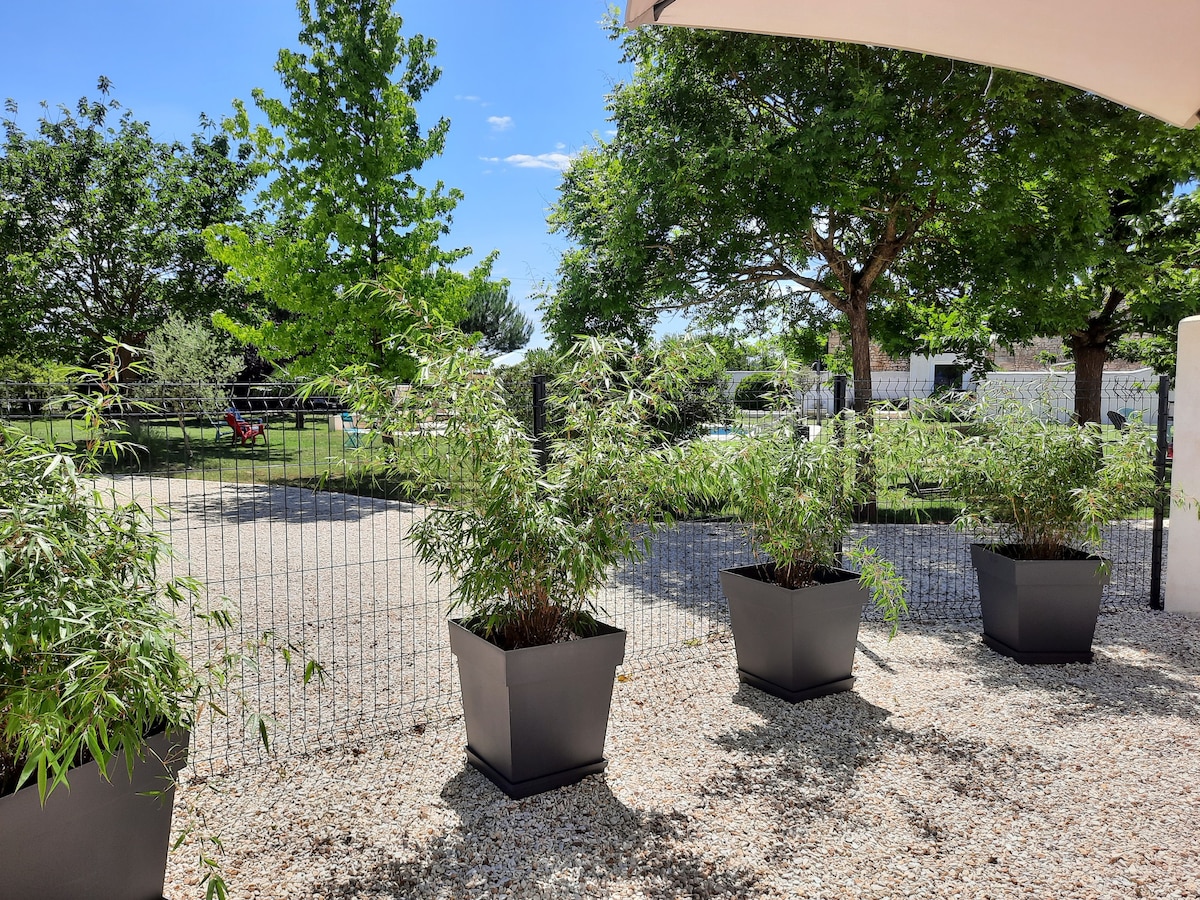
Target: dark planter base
<point x="794" y="644"/>
<point x="537" y="717"/>
<point x="833" y="687"/>
<point x="99" y="839"/>
<point x="521" y="789"/>
<point x="1048" y="657"/>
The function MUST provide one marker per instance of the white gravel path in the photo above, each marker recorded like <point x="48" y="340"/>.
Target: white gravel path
<point x="949" y="771"/>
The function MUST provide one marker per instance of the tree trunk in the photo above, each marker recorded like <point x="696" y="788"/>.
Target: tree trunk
<point x="127" y="353"/>
<point x="1091" y="352"/>
<point x="187" y="442"/>
<point x="860" y="352"/>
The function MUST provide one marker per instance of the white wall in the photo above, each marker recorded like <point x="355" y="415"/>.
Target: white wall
<point x="1183" y="562"/>
<point x="1136" y="390"/>
<point x="920" y="370"/>
<point x="820" y="396"/>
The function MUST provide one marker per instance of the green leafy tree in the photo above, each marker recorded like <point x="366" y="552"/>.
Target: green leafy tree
<point x="1141" y="279"/>
<point x="191" y="353"/>
<point x="101" y="228"/>
<point x="191" y="366"/>
<point x="738" y="353"/>
<point x="342" y="206"/>
<point x="753" y="173"/>
<point x="495" y="318"/>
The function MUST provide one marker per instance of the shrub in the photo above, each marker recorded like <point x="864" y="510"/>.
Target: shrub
<point x="529" y="545"/>
<point x="698" y="397"/>
<point x="765" y="390"/>
<point x="89" y="664"/>
<point x="1042" y="486"/>
<point x="754" y="391"/>
<point x="945" y="406"/>
<point x="798" y="497"/>
<point x="88" y="657"/>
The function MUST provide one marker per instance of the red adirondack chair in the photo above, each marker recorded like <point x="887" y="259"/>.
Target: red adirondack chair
<point x="243" y="430"/>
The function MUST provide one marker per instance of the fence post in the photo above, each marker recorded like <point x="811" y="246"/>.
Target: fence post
<point x="541" y="446"/>
<point x="839" y="407"/>
<point x="1162" y="498"/>
<point x="839" y="394"/>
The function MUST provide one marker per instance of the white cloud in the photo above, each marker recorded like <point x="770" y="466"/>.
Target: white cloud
<point x="467" y="98"/>
<point x="560" y="146"/>
<point x="500" y="123"/>
<point x="559" y="161"/>
<point x="490" y="159"/>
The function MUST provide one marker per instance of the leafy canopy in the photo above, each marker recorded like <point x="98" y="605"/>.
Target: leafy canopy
<point x="1136" y="275"/>
<point x="101" y="228"/>
<point x="752" y="174"/>
<point x="342" y="205"/>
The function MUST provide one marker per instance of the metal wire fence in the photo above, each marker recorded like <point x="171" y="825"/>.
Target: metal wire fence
<point x="913" y="524"/>
<point x="293" y="531"/>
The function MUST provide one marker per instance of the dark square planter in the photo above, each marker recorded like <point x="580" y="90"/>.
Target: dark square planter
<point x="537" y="717"/>
<point x="794" y="643"/>
<point x="1039" y="610"/>
<point x="99" y="839"/>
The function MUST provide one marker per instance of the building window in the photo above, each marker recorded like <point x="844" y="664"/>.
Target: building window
<point x="948" y="378"/>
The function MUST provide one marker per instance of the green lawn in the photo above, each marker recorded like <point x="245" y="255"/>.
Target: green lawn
<point x="307" y="454"/>
<point x="290" y="454"/>
<point x="314" y="455"/>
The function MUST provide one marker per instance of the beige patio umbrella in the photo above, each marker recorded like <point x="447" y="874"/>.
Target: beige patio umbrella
<point x="1145" y="55"/>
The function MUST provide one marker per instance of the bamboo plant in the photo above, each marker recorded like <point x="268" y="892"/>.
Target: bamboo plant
<point x="527" y="531"/>
<point x="798" y="497"/>
<point x="1043" y="488"/>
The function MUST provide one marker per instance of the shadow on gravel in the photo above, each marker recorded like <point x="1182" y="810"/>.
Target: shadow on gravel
<point x="549" y="845"/>
<point x="1165" y="685"/>
<point x="1172" y="640"/>
<point x="244" y="504"/>
<point x="682" y="568"/>
<point x="812" y="749"/>
<point x="805" y="759"/>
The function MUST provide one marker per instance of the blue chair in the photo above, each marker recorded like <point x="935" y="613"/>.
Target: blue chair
<point x="353" y="433"/>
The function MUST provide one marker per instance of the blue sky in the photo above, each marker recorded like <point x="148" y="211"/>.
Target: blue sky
<point x="523" y="84"/>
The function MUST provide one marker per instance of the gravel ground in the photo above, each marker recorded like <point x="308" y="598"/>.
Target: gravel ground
<point x="949" y="771"/>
